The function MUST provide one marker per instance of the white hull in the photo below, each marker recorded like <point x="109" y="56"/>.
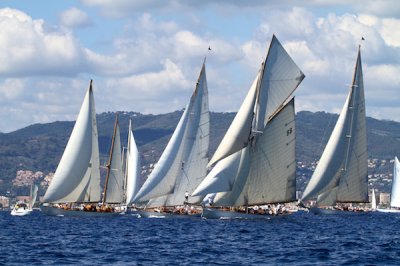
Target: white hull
<point x="388" y="210"/>
<point x="209" y="213"/>
<point x="153" y="214"/>
<point x="21" y="212"/>
<point x="53" y="211"/>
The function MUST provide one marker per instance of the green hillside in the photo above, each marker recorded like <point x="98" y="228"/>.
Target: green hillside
<point x="39" y="147"/>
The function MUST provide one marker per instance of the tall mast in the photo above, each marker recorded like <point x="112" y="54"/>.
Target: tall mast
<point x="110" y="159"/>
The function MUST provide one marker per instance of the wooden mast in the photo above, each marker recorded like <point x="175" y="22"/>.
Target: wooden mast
<point x="110" y="159"/>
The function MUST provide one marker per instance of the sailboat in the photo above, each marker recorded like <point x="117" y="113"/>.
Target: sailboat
<point x="255" y="161"/>
<point x="395" y="194"/>
<point x="75" y="187"/>
<point x="341" y="174"/>
<point x="21" y="208"/>
<point x="182" y="165"/>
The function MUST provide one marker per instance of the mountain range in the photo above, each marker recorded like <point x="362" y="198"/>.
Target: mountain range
<point x="39" y="147"/>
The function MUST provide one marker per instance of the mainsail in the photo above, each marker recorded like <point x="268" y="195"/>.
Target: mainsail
<point x="77" y="178"/>
<point x="341" y="174"/>
<point x="183" y="163"/>
<point x="395" y="195"/>
<point x="114" y="183"/>
<point x="259" y="167"/>
<point x="132" y="168"/>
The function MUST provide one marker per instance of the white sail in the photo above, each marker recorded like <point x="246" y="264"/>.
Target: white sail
<point x="183" y="163"/>
<point x="221" y="177"/>
<point x="395" y="195"/>
<point x="353" y="186"/>
<point x="162" y="179"/>
<point x="238" y="133"/>
<point x="77" y="174"/>
<point x="33" y="196"/>
<point x="343" y="164"/>
<point x="373" y="200"/>
<point x="267" y="172"/>
<point x="272" y="171"/>
<point x="238" y="194"/>
<point x="328" y="198"/>
<point x="280" y="78"/>
<point x="115" y="178"/>
<point x="277" y="80"/>
<point x="92" y="193"/>
<point x="327" y="172"/>
<point x="132" y="171"/>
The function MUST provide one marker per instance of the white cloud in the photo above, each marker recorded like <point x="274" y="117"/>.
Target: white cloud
<point x="152" y="62"/>
<point x="74" y="17"/>
<point x="390" y="32"/>
<point x="28" y="47"/>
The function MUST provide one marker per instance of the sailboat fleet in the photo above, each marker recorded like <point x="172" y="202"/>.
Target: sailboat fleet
<point x="251" y="174"/>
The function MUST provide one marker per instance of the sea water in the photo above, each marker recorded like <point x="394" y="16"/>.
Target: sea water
<point x="298" y="239"/>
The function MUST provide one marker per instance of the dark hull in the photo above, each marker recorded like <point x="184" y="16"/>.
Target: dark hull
<point x="210" y="213"/>
<point x="53" y="211"/>
<point x="153" y="214"/>
<point x="322" y="211"/>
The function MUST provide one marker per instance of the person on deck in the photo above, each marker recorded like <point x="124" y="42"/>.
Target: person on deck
<point x="186" y="196"/>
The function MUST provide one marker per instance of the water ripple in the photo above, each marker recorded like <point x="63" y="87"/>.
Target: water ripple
<point x="362" y="239"/>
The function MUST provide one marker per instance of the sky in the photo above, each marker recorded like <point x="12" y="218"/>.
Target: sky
<point x="145" y="55"/>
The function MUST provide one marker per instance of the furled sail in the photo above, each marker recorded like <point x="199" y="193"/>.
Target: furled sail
<point x="395" y="195"/>
<point x="182" y="165"/>
<point x="343" y="164"/>
<point x="77" y="178"/>
<point x="132" y="171"/>
<point x="114" y="186"/>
